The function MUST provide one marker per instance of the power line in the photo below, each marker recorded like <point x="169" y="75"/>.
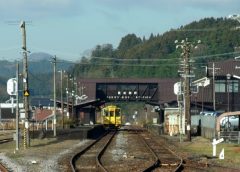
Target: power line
<point x="122" y="59"/>
<point x="135" y="65"/>
<point x="165" y="59"/>
<point x="217" y="55"/>
<point x="196" y="30"/>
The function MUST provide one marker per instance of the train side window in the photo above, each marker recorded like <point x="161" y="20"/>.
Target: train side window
<point x="117" y="112"/>
<point x="111" y="113"/>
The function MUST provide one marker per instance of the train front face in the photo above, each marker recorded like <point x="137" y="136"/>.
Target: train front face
<point x="112" y="116"/>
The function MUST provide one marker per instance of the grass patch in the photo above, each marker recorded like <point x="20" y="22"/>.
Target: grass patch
<point x="202" y="146"/>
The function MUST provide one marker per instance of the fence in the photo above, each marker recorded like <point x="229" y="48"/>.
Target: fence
<point x="230" y="136"/>
<point x="204" y="125"/>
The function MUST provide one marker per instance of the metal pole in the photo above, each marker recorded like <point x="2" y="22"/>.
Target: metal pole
<point x="17" y="109"/>
<point x="228" y="95"/>
<point x="54" y="96"/>
<point x="67" y="91"/>
<point x="76" y="92"/>
<point x="214" y="103"/>
<point x="146" y="116"/>
<point x="187" y="89"/>
<point x="228" y="102"/>
<point x="25" y="87"/>
<point x="202" y="97"/>
<point x="180" y="108"/>
<point x="72" y="97"/>
<point x="187" y="97"/>
<point x="62" y="109"/>
<point x="1" y="115"/>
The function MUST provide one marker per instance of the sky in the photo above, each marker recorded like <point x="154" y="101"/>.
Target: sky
<point x="70" y="28"/>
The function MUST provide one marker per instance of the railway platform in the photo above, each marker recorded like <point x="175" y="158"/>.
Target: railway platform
<point x="81" y="132"/>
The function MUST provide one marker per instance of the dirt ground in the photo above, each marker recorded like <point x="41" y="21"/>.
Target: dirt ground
<point x="43" y="155"/>
<point x="201" y="149"/>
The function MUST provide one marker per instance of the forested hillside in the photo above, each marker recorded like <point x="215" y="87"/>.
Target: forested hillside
<point x="157" y="56"/>
<point x="40" y="71"/>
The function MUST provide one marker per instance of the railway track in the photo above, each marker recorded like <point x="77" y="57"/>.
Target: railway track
<point x="3" y="168"/>
<point x="193" y="165"/>
<point x="134" y="150"/>
<point x="6" y="137"/>
<point x="127" y="152"/>
<point x="165" y="159"/>
<point x="148" y="155"/>
<point x="6" y="140"/>
<point x="89" y="158"/>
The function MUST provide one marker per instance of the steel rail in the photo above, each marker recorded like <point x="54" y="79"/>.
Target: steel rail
<point x="100" y="166"/>
<point x="157" y="160"/>
<point x="6" y="140"/>
<point x="158" y="163"/>
<point x="77" y="155"/>
<point x="3" y="168"/>
<point x="180" y="165"/>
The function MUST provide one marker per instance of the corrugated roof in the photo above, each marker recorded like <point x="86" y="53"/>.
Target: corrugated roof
<point x="41" y="114"/>
<point x="41" y="102"/>
<point x="224" y="67"/>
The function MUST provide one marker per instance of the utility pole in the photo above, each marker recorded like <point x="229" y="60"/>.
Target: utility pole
<point x="17" y="108"/>
<point x="73" y="94"/>
<point x="67" y="91"/>
<point x="54" y="96"/>
<point x="186" y="46"/>
<point x="62" y="109"/>
<point x="25" y="87"/>
<point x="213" y="78"/>
<point x="214" y="95"/>
<point x="76" y="91"/>
<point x="186" y="52"/>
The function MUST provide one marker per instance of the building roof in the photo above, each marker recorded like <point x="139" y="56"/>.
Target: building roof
<point x="166" y="93"/>
<point x="89" y="103"/>
<point x="41" y="102"/>
<point x="42" y="114"/>
<point x="230" y="66"/>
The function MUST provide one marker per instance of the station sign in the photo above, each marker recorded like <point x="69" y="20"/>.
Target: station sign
<point x="12" y="86"/>
<point x="177" y="88"/>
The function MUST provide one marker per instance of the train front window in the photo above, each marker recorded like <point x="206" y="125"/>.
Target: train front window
<point x="105" y="112"/>
<point x="111" y="113"/>
<point x="117" y="111"/>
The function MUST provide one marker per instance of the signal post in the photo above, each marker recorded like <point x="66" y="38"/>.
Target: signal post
<point x="25" y="87"/>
